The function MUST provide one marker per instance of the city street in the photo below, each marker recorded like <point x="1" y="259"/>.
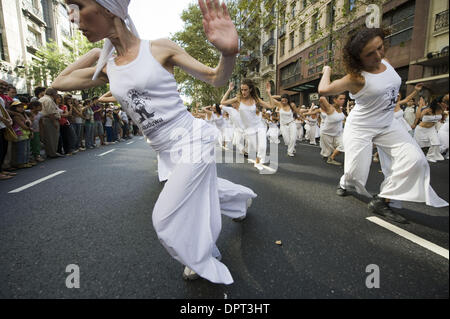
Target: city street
<point x="96" y="214"/>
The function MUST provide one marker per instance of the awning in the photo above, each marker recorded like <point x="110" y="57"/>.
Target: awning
<point x="428" y="79"/>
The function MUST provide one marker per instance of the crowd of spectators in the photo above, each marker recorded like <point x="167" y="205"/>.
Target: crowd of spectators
<point x="50" y="125"/>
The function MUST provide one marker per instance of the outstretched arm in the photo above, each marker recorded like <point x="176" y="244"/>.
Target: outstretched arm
<point x="416" y="91"/>
<point x="272" y="103"/>
<point x="347" y="83"/>
<point x="225" y="100"/>
<point x="324" y="105"/>
<point x="78" y="75"/>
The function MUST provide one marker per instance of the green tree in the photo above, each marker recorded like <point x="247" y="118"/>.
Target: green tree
<point x="52" y="60"/>
<point x="193" y="40"/>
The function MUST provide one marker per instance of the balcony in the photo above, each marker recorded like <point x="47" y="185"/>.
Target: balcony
<point x="291" y="80"/>
<point x="255" y="56"/>
<point x="269" y="45"/>
<point x="33" y="12"/>
<point x="441" y="22"/>
<point x="268" y="70"/>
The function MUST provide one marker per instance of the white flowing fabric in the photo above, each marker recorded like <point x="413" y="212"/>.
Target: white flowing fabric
<point x="409" y="176"/>
<point x="255" y="132"/>
<point x="120" y="9"/>
<point x="288" y="129"/>
<point x="443" y="137"/>
<point x="428" y="137"/>
<point x="273" y="133"/>
<point x="187" y="214"/>
<point x="300" y="130"/>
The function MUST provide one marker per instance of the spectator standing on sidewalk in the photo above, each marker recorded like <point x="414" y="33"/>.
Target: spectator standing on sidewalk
<point x="50" y="123"/>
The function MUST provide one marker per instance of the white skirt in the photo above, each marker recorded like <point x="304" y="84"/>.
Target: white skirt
<point x="409" y="176"/>
<point x="187" y="214"/>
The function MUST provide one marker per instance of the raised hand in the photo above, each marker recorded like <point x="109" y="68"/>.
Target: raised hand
<point x="219" y="28"/>
<point x="268" y="89"/>
<point x="231" y="86"/>
<point x="419" y="87"/>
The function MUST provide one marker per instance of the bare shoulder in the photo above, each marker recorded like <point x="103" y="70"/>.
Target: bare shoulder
<point x="164" y="48"/>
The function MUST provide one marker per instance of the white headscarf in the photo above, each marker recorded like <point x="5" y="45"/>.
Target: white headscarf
<point x="120" y="9"/>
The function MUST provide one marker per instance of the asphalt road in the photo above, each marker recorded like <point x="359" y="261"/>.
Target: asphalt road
<point x="96" y="214"/>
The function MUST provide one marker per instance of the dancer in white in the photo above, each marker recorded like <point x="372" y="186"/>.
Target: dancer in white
<point x="385" y="159"/>
<point x="255" y="132"/>
<point x="443" y="132"/>
<point x="331" y="142"/>
<point x="187" y="214"/>
<point x="288" y="127"/>
<point x="426" y="133"/>
<point x="273" y="132"/>
<point x="374" y="84"/>
<point x="312" y="124"/>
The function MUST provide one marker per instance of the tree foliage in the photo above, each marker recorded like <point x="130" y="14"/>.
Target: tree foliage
<point x="52" y="60"/>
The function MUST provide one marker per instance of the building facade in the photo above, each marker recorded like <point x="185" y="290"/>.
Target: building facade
<point x="25" y="26"/>
<point x="311" y="34"/>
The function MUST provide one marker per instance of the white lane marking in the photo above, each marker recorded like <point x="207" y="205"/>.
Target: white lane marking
<point x="106" y="152"/>
<point x="129" y="143"/>
<point x="18" y="190"/>
<point x="415" y="239"/>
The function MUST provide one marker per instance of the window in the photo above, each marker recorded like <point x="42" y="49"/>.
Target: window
<point x="291" y="40"/>
<point x="291" y="73"/>
<point x="64" y="21"/>
<point x="293" y="9"/>
<point x="282" y="47"/>
<point x="2" y="47"/>
<point x="331" y="12"/>
<point x="320" y="50"/>
<point x="304" y="4"/>
<point x="270" y="60"/>
<point x="401" y="23"/>
<point x="351" y="5"/>
<point x="315" y="23"/>
<point x="302" y="36"/>
<point x="311" y="71"/>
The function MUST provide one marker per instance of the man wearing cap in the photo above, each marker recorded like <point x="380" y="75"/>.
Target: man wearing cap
<point x="50" y="122"/>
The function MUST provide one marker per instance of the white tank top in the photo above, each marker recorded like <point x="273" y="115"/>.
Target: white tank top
<point x="332" y="124"/>
<point x="148" y="93"/>
<point x="375" y="103"/>
<point x="248" y="116"/>
<point x="219" y="121"/>
<point x="286" y="117"/>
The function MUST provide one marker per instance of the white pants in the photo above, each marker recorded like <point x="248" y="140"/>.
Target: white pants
<point x="273" y="135"/>
<point x="310" y="133"/>
<point x="329" y="144"/>
<point x="428" y="137"/>
<point x="409" y="179"/>
<point x="300" y="132"/>
<point x="257" y="143"/>
<point x="289" y="133"/>
<point x="187" y="214"/>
